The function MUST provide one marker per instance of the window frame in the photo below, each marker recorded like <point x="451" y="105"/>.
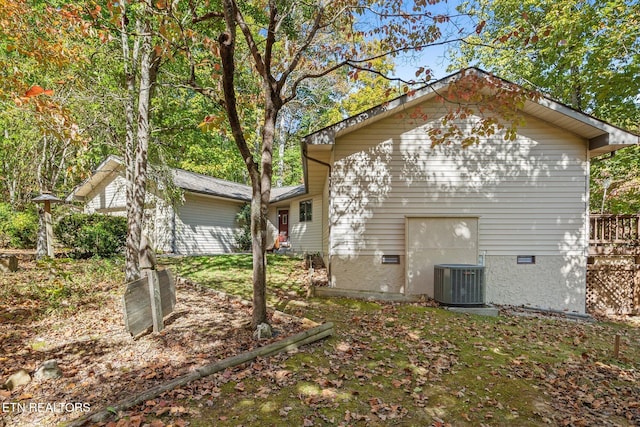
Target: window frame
<point x="306" y="210"/>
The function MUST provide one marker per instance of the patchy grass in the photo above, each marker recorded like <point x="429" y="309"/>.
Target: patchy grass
<point x="71" y="311"/>
<point x="411" y="364"/>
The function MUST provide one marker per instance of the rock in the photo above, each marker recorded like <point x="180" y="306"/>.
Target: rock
<point x="263" y="331"/>
<point x="18" y="379"/>
<point x="49" y="370"/>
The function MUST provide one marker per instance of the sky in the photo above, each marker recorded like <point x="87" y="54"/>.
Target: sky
<point x="434" y="57"/>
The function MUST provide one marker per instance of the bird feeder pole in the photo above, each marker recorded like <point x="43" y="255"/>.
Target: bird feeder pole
<point x="47" y="198"/>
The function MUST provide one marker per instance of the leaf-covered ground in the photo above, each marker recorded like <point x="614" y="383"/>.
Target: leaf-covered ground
<point x="387" y="364"/>
<point x="71" y="311"/>
<point x="414" y="364"/>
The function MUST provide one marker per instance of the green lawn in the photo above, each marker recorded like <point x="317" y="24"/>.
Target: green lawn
<point x="413" y="364"/>
<point x="233" y="274"/>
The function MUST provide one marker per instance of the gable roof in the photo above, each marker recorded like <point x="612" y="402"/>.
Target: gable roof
<point x="188" y="181"/>
<point x="602" y="136"/>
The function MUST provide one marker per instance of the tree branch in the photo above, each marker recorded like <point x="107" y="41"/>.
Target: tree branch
<point x="298" y="56"/>
<point x="253" y="47"/>
<point x="271" y="38"/>
<point x="227" y="49"/>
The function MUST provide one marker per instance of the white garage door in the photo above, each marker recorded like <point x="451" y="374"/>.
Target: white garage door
<point x="432" y="241"/>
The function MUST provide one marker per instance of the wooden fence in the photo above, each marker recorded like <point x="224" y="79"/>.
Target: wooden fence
<point x="613" y="272"/>
<point x="614" y="234"/>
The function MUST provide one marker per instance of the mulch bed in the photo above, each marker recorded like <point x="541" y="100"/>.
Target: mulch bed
<point x="102" y="363"/>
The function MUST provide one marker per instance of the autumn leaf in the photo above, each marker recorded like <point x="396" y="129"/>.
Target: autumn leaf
<point x="36" y="90"/>
<point x="210" y="123"/>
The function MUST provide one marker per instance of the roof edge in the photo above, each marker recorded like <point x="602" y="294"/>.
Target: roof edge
<point x="99" y="174"/>
<point x="616" y="137"/>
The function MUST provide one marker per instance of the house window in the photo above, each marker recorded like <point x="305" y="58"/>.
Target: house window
<point x="305" y="211"/>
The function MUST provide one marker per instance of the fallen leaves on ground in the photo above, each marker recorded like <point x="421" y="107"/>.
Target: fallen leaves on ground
<point x="389" y="363"/>
<point x="103" y="364"/>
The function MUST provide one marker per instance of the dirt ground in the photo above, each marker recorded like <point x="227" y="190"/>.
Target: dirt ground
<point x="102" y="364"/>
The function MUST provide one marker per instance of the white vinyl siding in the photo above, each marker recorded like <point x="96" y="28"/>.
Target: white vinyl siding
<point x="206" y="225"/>
<point x="306" y="236"/>
<point x="163" y="236"/>
<point x="110" y="198"/>
<point x="529" y="194"/>
<point x="325" y="215"/>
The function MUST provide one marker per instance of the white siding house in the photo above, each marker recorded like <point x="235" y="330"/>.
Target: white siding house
<point x="205" y="225"/>
<point x="382" y="205"/>
<point x="391" y="194"/>
<point x="203" y="222"/>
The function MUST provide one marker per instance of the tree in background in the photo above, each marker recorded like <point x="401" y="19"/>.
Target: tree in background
<point x="141" y="60"/>
<point x="583" y="53"/>
<point x="41" y="48"/>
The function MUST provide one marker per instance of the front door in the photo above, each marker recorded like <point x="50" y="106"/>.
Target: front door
<point x="283" y="222"/>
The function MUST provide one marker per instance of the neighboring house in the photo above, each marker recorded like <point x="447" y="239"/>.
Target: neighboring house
<point x="203" y="222"/>
<point x="382" y="206"/>
<point x="392" y="206"/>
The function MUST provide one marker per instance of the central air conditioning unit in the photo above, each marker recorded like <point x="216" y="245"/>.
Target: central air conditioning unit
<point x="459" y="284"/>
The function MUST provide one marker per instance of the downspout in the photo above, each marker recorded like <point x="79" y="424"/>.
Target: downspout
<point x="320" y="162"/>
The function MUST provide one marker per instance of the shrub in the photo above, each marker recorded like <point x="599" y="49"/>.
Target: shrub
<point x="18" y="229"/>
<point x="89" y="235"/>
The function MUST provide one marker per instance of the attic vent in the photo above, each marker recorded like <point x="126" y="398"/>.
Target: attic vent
<point x="459" y="284"/>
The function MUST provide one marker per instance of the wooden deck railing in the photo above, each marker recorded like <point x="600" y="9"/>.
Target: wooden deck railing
<point x="614" y="230"/>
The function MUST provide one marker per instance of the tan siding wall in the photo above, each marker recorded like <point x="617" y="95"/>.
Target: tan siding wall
<point x="163" y="237"/>
<point x="112" y="197"/>
<point x="206" y="225"/>
<point x="530" y="194"/>
<point x="272" y="214"/>
<point x="325" y="220"/>
<point x="306" y="236"/>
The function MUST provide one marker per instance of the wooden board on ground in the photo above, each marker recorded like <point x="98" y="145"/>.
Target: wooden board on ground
<point x="137" y="302"/>
<point x="288" y="344"/>
<point x="167" y="292"/>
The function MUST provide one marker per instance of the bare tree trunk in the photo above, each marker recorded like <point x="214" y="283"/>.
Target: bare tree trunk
<point x="260" y="182"/>
<point x="130" y="63"/>
<point x="259" y="211"/>
<point x="137" y="139"/>
<point x="148" y="71"/>
<point x="282" y="142"/>
<point x="258" y="239"/>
